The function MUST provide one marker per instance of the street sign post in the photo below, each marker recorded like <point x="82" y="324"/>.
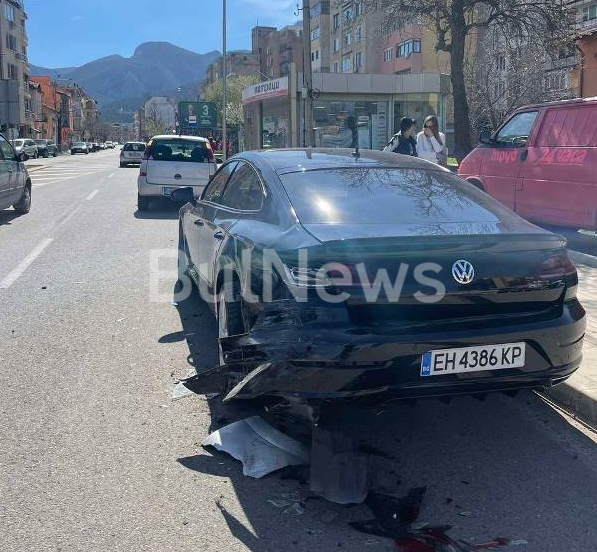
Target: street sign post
<point x="197" y="115"/>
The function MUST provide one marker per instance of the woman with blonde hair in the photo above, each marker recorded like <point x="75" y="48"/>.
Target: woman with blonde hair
<point x="431" y="143"/>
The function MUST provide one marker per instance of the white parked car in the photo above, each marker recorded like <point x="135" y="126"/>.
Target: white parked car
<point x="172" y="162"/>
<point x="131" y="153"/>
<point x="25" y="148"/>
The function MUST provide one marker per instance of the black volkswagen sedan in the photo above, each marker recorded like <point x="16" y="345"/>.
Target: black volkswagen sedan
<point x="337" y="274"/>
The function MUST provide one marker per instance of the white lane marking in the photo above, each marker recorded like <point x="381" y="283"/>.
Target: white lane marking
<point x="37" y="185"/>
<point x="92" y="195"/>
<point x="110" y="175"/>
<point x="70" y="215"/>
<point x="24" y="264"/>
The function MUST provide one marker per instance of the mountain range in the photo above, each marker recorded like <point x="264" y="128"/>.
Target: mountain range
<point x="121" y="84"/>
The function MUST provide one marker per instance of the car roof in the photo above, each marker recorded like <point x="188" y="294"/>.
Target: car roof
<point x="285" y="161"/>
<point x="558" y="103"/>
<point x="186" y="137"/>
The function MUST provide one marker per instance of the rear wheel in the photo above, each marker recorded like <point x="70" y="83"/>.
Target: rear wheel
<point x="23" y="206"/>
<point x="142" y="203"/>
<point x="55" y="153"/>
<point x="230" y="314"/>
<point x="122" y="165"/>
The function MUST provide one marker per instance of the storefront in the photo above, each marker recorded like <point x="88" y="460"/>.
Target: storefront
<point x="349" y="109"/>
<point x="267" y="114"/>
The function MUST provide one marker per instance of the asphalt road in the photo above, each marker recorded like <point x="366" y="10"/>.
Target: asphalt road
<point x="94" y="455"/>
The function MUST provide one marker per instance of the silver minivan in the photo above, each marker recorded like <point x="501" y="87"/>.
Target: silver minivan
<point x="25" y="148"/>
<point x="15" y="184"/>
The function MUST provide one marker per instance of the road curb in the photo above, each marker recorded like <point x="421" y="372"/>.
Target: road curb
<point x="575" y="402"/>
<point x="583" y="258"/>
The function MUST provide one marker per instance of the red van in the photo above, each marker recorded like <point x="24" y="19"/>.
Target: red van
<point x="542" y="163"/>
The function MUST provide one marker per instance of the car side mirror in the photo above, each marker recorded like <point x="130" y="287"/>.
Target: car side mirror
<point x="519" y="142"/>
<point x="485" y="137"/>
<point x="184" y="195"/>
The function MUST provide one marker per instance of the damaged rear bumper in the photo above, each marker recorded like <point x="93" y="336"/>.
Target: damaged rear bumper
<point x="306" y="352"/>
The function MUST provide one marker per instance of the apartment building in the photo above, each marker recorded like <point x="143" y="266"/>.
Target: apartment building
<point x="354" y="38"/>
<point x="259" y="44"/>
<point x="14" y="66"/>
<point x="587" y="44"/>
<point x="320" y="35"/>
<point x="238" y="62"/>
<point x="278" y="49"/>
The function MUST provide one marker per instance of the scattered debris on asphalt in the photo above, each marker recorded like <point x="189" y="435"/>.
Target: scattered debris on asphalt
<point x="261" y="448"/>
<point x="338" y="471"/>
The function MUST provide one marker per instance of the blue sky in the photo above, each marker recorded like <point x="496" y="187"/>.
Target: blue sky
<point x="64" y="33"/>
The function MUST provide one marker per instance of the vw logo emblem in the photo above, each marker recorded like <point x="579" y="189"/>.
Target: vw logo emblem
<point x="463" y="272"/>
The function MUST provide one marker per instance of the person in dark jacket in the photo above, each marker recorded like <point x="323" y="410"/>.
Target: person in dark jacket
<point x="404" y="141"/>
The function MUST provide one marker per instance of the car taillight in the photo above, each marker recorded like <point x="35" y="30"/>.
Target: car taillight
<point x="555" y="267"/>
<point x="559" y="267"/>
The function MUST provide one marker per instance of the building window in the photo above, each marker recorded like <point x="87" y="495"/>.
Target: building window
<point x="9" y="12"/>
<point x="316" y="11"/>
<point x="12" y="71"/>
<point x="358" y="33"/>
<point x="11" y="42"/>
<point x="315" y="33"/>
<point x="336" y="44"/>
<point x="336" y="20"/>
<point x="387" y="54"/>
<point x="358" y="60"/>
<point x="315" y="55"/>
<point x="358" y="9"/>
<point x="408" y="47"/>
<point x="347" y="14"/>
<point x="346" y="65"/>
<point x="346" y="39"/>
<point x="335" y="66"/>
<point x="501" y="63"/>
<point x="589" y="12"/>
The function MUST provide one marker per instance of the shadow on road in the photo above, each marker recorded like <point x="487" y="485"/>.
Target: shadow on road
<point x="160" y="208"/>
<point x="7" y="216"/>
<point x="500" y="467"/>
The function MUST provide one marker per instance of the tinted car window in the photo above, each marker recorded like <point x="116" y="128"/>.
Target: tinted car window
<point x="19" y="142"/>
<point x="518" y="127"/>
<point x="386" y="196"/>
<point x="6" y="150"/>
<point x="177" y="149"/>
<point x="214" y="190"/>
<point x="244" y="191"/>
<point x="134" y="147"/>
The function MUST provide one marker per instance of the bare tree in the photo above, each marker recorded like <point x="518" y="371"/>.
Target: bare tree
<point x="154" y="124"/>
<point x="456" y="22"/>
<point x="509" y="72"/>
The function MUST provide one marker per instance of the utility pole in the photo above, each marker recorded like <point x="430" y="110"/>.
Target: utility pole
<point x="224" y="133"/>
<point x="307" y="74"/>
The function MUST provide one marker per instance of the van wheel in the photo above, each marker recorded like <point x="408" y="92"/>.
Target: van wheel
<point x="23" y="206"/>
<point x="476" y="184"/>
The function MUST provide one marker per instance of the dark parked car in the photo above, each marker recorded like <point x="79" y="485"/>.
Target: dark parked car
<point x="79" y="147"/>
<point x="15" y="184"/>
<point x="477" y="299"/>
<point x="45" y="148"/>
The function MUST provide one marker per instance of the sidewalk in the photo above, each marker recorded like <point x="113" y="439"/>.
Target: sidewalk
<point x="578" y="394"/>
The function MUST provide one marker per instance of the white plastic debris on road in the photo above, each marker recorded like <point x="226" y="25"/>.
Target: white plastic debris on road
<point x="261" y="448"/>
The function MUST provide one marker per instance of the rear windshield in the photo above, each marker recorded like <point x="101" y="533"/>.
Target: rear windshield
<point x="80" y="144"/>
<point x="176" y="149"/>
<point x="134" y="147"/>
<point x="18" y="142"/>
<point x="386" y="196"/>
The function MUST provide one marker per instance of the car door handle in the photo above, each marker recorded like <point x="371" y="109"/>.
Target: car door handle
<point x="219" y="235"/>
<point x="198" y="223"/>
